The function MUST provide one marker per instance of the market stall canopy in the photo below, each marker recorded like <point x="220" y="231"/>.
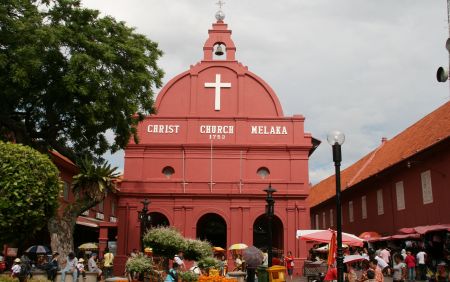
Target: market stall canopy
<point x="353" y="258"/>
<point x="366" y="236"/>
<point x="88" y="246"/>
<point x="425" y="229"/>
<point x="238" y="246"/>
<point x="326" y="235"/>
<point x="324" y="249"/>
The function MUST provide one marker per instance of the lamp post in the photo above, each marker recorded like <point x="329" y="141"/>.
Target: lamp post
<point x="270" y="211"/>
<point x="144" y="218"/>
<point x="336" y="139"/>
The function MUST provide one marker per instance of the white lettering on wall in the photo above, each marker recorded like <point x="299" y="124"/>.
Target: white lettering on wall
<point x="163" y="128"/>
<point x="217" y="129"/>
<point x="269" y="130"/>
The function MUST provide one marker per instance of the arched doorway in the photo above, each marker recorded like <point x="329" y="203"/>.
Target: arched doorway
<point x="213" y="228"/>
<point x="260" y="234"/>
<point x="158" y="219"/>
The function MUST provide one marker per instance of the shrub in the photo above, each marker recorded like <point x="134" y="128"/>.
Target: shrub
<point x="165" y="241"/>
<point x="139" y="264"/>
<point x="188" y="276"/>
<point x="207" y="263"/>
<point x="197" y="249"/>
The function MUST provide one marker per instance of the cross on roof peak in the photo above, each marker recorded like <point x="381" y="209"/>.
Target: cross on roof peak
<point x="220" y="4"/>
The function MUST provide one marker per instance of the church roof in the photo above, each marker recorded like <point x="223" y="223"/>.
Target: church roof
<point x="427" y="132"/>
<point x="218" y="85"/>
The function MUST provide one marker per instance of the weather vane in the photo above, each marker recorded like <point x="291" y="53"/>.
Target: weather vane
<point x="220" y="4"/>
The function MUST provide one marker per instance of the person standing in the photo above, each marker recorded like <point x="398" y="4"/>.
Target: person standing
<point x="92" y="265"/>
<point x="179" y="261"/>
<point x="289" y="262"/>
<point x="15" y="270"/>
<point x="108" y="263"/>
<point x="399" y="268"/>
<point x="373" y="264"/>
<point x="172" y="276"/>
<point x="421" y="259"/>
<point x="410" y="261"/>
<point x="71" y="267"/>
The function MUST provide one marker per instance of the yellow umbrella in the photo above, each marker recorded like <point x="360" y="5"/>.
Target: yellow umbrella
<point x="88" y="246"/>
<point x="218" y="249"/>
<point x="238" y="246"/>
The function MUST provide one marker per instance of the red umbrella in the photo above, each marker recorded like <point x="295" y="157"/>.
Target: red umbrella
<point x="326" y="235"/>
<point x="369" y="235"/>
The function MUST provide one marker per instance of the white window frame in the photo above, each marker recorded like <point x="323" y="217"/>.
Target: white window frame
<point x="364" y="207"/>
<point x="400" y="195"/>
<point x="380" y="202"/>
<point x="427" y="188"/>
<point x="316" y="220"/>
<point x="350" y="211"/>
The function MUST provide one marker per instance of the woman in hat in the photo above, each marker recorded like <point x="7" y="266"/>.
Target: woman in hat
<point x="80" y="268"/>
<point x="15" y="270"/>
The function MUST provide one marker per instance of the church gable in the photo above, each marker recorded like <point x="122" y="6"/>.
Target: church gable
<point x="218" y="87"/>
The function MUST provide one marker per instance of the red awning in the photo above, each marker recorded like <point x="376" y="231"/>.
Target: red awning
<point x="425" y="229"/>
<point x="406" y="236"/>
<point x="430" y="228"/>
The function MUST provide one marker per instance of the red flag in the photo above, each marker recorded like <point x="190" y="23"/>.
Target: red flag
<point x="332" y="250"/>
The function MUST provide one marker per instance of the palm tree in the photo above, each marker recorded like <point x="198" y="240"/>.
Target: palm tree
<point x="90" y="187"/>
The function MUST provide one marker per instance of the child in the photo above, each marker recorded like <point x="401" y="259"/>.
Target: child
<point x="15" y="270"/>
<point x="80" y="268"/>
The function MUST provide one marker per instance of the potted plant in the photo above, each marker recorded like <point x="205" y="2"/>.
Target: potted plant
<point x="208" y="263"/>
<point x="138" y="266"/>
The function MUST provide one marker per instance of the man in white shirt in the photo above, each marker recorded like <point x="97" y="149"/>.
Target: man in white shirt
<point x="421" y="258"/>
<point x="179" y="260"/>
<point x="382" y="264"/>
<point x="71" y="267"/>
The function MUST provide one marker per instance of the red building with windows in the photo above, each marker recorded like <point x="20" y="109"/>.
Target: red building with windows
<point x="405" y="182"/>
<point x="218" y="139"/>
<point x="99" y="224"/>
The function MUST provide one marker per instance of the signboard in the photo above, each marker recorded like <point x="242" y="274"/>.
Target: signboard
<point x="11" y="252"/>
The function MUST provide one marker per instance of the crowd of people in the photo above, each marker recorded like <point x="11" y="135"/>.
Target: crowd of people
<point x="77" y="267"/>
<point x="401" y="266"/>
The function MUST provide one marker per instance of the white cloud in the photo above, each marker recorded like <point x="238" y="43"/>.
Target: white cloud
<point x="365" y="67"/>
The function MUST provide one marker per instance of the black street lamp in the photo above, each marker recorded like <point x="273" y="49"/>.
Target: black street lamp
<point x="145" y="219"/>
<point x="270" y="211"/>
<point x="336" y="139"/>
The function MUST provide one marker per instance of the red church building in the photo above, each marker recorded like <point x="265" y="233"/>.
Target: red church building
<point x="218" y="139"/>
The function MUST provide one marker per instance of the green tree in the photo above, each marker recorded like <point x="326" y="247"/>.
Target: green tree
<point x="69" y="75"/>
<point x="29" y="190"/>
<point x="90" y="187"/>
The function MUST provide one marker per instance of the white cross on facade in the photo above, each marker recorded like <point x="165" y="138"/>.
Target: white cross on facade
<point x="217" y="85"/>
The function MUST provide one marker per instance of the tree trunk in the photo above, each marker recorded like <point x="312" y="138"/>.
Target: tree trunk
<point x="61" y="235"/>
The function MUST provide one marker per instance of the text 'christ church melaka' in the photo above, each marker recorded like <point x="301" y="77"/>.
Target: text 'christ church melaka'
<point x="218" y="139"/>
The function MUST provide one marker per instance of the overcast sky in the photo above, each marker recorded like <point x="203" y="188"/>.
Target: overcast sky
<point x="365" y="67"/>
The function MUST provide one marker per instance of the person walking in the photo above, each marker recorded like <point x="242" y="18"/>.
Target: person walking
<point x="108" y="258"/>
<point x="421" y="259"/>
<point x="289" y="261"/>
<point x="373" y="264"/>
<point x="15" y="270"/>
<point x="410" y="261"/>
<point x="71" y="267"/>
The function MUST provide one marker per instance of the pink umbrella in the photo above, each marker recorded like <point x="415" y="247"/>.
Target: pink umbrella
<point x="326" y="235"/>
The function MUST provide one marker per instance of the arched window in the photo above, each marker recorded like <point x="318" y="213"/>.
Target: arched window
<point x="263" y="172"/>
<point x="168" y="171"/>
